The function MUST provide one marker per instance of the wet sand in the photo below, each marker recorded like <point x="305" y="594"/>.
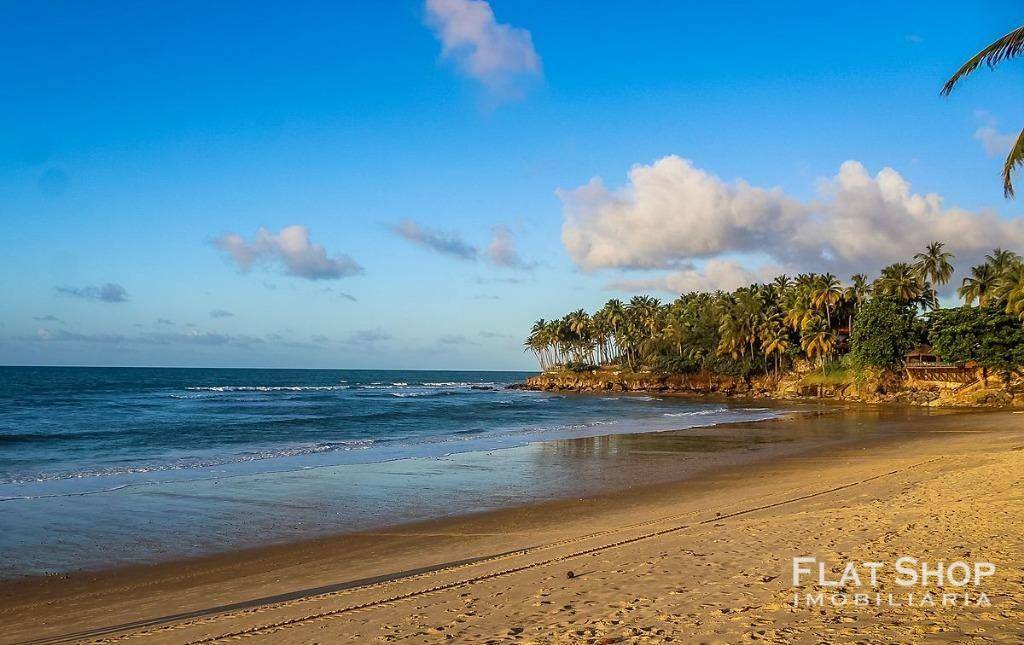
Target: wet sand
<point x="703" y="556"/>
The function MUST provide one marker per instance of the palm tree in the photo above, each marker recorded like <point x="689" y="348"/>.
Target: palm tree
<point x="1011" y="289"/>
<point x="979" y="285"/>
<point x="817" y="339"/>
<point x="782" y="283"/>
<point x="1001" y="260"/>
<point x="774" y="340"/>
<point x="615" y="314"/>
<point x="934" y="265"/>
<point x="1009" y="46"/>
<point x="827" y="292"/>
<point x="798" y="310"/>
<point x="538" y="342"/>
<point x="901" y="282"/>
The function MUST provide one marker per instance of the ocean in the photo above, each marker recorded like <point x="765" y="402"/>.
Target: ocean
<point x="105" y="466"/>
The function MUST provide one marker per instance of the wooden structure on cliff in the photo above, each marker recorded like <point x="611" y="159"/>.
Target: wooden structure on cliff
<point x="922" y="364"/>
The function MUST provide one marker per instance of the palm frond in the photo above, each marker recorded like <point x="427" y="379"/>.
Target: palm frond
<point x="1009" y="46"/>
<point x="1014" y="159"/>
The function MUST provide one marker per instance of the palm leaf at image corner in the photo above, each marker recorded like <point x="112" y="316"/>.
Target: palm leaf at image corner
<point x="1009" y="46"/>
<point x="1013" y="160"/>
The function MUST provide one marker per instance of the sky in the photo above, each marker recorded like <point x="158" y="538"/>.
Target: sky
<point x="411" y="184"/>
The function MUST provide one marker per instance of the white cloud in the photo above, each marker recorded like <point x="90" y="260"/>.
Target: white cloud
<point x="290" y="248"/>
<point x="992" y="140"/>
<point x="716" y="274"/>
<point x="671" y="213"/>
<point x="502" y="250"/>
<point x="445" y="242"/>
<point x="496" y="54"/>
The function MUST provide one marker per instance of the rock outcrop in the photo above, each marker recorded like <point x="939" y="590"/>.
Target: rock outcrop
<point x="882" y="387"/>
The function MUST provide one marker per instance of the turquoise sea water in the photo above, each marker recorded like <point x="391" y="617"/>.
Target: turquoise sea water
<point x="103" y="466"/>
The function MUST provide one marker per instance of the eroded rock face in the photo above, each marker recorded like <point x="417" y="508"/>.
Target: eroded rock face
<point x="889" y="387"/>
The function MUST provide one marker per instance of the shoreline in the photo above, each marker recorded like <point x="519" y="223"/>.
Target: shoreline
<point x="267" y="575"/>
<point x="318" y="499"/>
<point x="884" y="389"/>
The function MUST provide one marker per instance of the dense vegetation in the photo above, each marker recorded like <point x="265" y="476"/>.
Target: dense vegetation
<point x="768" y="328"/>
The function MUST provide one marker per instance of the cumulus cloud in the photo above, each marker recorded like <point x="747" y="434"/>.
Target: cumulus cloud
<point x="671" y="214"/>
<point x="221" y="313"/>
<point x="291" y="249"/>
<point x="498" y="55"/>
<point x="716" y="274"/>
<point x="109" y="292"/>
<point x="445" y="242"/>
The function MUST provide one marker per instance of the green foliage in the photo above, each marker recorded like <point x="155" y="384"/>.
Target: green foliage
<point x="770" y="328"/>
<point x="955" y="334"/>
<point x="987" y="335"/>
<point x="884" y="330"/>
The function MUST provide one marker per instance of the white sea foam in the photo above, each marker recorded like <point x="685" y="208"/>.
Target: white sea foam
<point x="698" y="413"/>
<point x="188" y="464"/>
<point x="459" y="384"/>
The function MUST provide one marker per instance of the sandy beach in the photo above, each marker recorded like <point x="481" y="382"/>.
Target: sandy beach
<point x="706" y="559"/>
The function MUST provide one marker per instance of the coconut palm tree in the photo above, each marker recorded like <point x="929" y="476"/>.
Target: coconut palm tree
<point x="1001" y="260"/>
<point x="782" y="283"/>
<point x="774" y="341"/>
<point x="826" y="293"/>
<point x="901" y="282"/>
<point x="1011" y="289"/>
<point x="934" y="265"/>
<point x="536" y="343"/>
<point x="817" y="340"/>
<point x="979" y="285"/>
<point x="798" y="310"/>
<point x="858" y="290"/>
<point x="1009" y="46"/>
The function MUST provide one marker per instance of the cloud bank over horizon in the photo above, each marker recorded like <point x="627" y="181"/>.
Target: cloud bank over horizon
<point x="671" y="215"/>
<point x="109" y="292"/>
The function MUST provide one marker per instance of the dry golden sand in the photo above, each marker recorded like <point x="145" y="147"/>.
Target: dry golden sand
<point x="706" y="561"/>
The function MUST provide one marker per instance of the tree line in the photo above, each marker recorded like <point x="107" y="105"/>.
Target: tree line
<point x="814" y="317"/>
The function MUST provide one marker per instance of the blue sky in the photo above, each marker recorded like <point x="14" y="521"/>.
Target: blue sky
<point x="431" y="155"/>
